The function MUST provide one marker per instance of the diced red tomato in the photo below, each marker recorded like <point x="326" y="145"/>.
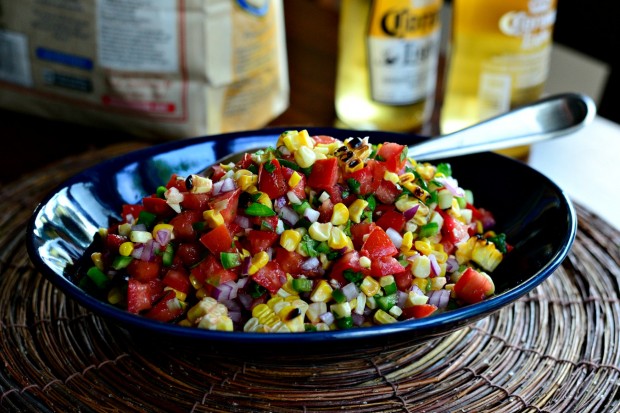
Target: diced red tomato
<point x="189" y="253"/>
<point x="473" y="287"/>
<point x="453" y="231"/>
<point x="272" y="183"/>
<point x="177" y="182"/>
<point x="144" y="270"/>
<point x="260" y="240"/>
<point x="365" y="179"/>
<point x="378" y="245"/>
<point x="131" y="210"/>
<point x="211" y="271"/>
<point x="218" y="172"/>
<point x="218" y="240"/>
<point x="326" y="210"/>
<point x="403" y="280"/>
<point x="349" y="261"/>
<point x="157" y="206"/>
<point x="358" y="231"/>
<point x="166" y="309"/>
<point x="265" y="223"/>
<point x="381" y="266"/>
<point x="231" y="201"/>
<point x="324" y="139"/>
<point x="270" y="276"/>
<point x="300" y="189"/>
<point x="183" y="225"/>
<point x="177" y="279"/>
<point x="395" y="156"/>
<point x="195" y="201"/>
<point x="141" y="295"/>
<point x="114" y="241"/>
<point x="419" y="311"/>
<point x="392" y="219"/>
<point x="387" y="192"/>
<point x="245" y="162"/>
<point x="290" y="261"/>
<point x="324" y="173"/>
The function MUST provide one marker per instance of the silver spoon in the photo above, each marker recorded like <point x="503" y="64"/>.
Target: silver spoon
<point x="545" y="119"/>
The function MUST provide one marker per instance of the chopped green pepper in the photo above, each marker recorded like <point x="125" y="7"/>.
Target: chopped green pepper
<point x="98" y="277"/>
<point x="302" y="284"/>
<point x="121" y="262"/>
<point x="230" y="259"/>
<point x="259" y="210"/>
<point x="428" y="230"/>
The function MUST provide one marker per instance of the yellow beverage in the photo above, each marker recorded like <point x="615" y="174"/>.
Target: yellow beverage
<point x="499" y="59"/>
<point x="387" y="63"/>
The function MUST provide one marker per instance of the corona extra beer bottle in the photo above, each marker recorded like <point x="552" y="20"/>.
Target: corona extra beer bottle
<point x="499" y="60"/>
<point x="387" y="63"/>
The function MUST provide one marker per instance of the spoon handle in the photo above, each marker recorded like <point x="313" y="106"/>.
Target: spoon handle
<point x="547" y="118"/>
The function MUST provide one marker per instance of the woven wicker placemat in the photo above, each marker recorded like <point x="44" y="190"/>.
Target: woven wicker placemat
<point x="555" y="350"/>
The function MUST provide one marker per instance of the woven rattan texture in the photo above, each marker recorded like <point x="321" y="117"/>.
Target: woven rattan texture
<point x="555" y="350"/>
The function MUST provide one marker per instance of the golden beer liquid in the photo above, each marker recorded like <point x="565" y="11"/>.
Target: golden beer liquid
<point x="499" y="60"/>
<point x="355" y="106"/>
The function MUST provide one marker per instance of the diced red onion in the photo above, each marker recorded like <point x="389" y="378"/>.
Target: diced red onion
<point x="436" y="269"/>
<point x="225" y="291"/>
<point x="243" y="221"/>
<point x="416" y="290"/>
<point x="350" y="291"/>
<point x="411" y="212"/>
<point x="164" y="236"/>
<point x="288" y="215"/>
<point x="241" y="282"/>
<point x="488" y="221"/>
<point x="402" y="298"/>
<point x="358" y="319"/>
<point x="246" y="300"/>
<point x="396" y="238"/>
<point x="327" y="318"/>
<point x="148" y="251"/>
<point x="310" y="264"/>
<point x="279" y="203"/>
<point x="235" y="316"/>
<point x="225" y="185"/>
<point x="452" y="264"/>
<point x="293" y="199"/>
<point x="139" y="227"/>
<point x="439" y="298"/>
<point x="232" y="305"/>
<point x="311" y="214"/>
<point x="412" y="258"/>
<point x="245" y="266"/>
<point x="269" y="252"/>
<point x="451" y="185"/>
<point x="137" y="251"/>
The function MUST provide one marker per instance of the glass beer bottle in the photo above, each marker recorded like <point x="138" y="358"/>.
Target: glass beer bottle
<point x="499" y="59"/>
<point x="387" y="63"/>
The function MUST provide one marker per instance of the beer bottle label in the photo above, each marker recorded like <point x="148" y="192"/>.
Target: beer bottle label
<point x="403" y="50"/>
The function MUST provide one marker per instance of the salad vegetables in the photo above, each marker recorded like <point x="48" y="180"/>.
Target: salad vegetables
<point x="315" y="234"/>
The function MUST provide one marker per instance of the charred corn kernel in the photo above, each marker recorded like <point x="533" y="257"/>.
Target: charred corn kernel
<point x="114" y="296"/>
<point x="422" y="283"/>
<point x="259" y="260"/>
<point x="296" y="139"/>
<point x="423" y="246"/>
<point x="213" y="218"/>
<point x="290" y="239"/>
<point x="407" y="243"/>
<point x="395" y="311"/>
<point x="320" y="231"/>
<point x="365" y="262"/>
<point x="415" y="299"/>
<point x="246" y="181"/>
<point x="124" y="229"/>
<point x="292" y="315"/>
<point x="370" y="286"/>
<point x="315" y="310"/>
<point x="197" y="184"/>
<point x="305" y="157"/>
<point x="203" y="307"/>
<point x="264" y="199"/>
<point x="265" y="315"/>
<point x="337" y="239"/>
<point x="464" y="250"/>
<point x="322" y="292"/>
<point x="341" y="310"/>
<point x="159" y="227"/>
<point x="437" y="283"/>
<point x="95" y="257"/>
<point x="381" y="317"/>
<point x="140" y="236"/>
<point x="294" y="179"/>
<point x="486" y="255"/>
<point x="426" y="170"/>
<point x="181" y="296"/>
<point x="392" y="177"/>
<point x="340" y="215"/>
<point x="360" y="303"/>
<point x="356" y="209"/>
<point x="421" y="266"/>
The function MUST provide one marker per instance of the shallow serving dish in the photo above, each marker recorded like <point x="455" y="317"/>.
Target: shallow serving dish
<point x="535" y="214"/>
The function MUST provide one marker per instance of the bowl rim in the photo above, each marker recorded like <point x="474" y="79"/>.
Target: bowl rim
<point x="456" y="318"/>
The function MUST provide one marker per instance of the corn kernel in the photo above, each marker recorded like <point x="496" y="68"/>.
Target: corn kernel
<point x="264" y="199"/>
<point x="294" y="179"/>
<point x="140" y="236"/>
<point x="486" y="255"/>
<point x="464" y="250"/>
<point x="194" y="282"/>
<point x="305" y="157"/>
<point x="365" y="262"/>
<point x="360" y="303"/>
<point x="124" y="229"/>
<point x="246" y="181"/>
<point x="315" y="310"/>
<point x="265" y="315"/>
<point x="213" y="218"/>
<point x="320" y="231"/>
<point x="159" y="227"/>
<point x="423" y="246"/>
<point x="407" y="243"/>
<point x="322" y="292"/>
<point x="381" y="317"/>
<point x="386" y="280"/>
<point x="415" y="299"/>
<point x="202" y="308"/>
<point x="370" y="286"/>
<point x="437" y="283"/>
<point x="356" y="209"/>
<point x="290" y="239"/>
<point x="181" y="296"/>
<point x="340" y="215"/>
<point x="258" y="261"/>
<point x="337" y="239"/>
<point x="395" y="311"/>
<point x="126" y="249"/>
<point x="199" y="184"/>
<point x="114" y="296"/>
<point x="341" y="310"/>
<point x="405" y="203"/>
<point x="421" y="266"/>
<point x="426" y="171"/>
<point x="391" y="176"/>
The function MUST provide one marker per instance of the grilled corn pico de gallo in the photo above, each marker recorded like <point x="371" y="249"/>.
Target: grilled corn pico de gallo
<point x="315" y="234"/>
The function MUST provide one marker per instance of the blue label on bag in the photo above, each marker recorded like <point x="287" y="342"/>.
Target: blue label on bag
<point x="257" y="7"/>
<point x="64" y="58"/>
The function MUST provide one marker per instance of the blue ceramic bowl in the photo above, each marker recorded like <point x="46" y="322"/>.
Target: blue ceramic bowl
<point x="535" y="214"/>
